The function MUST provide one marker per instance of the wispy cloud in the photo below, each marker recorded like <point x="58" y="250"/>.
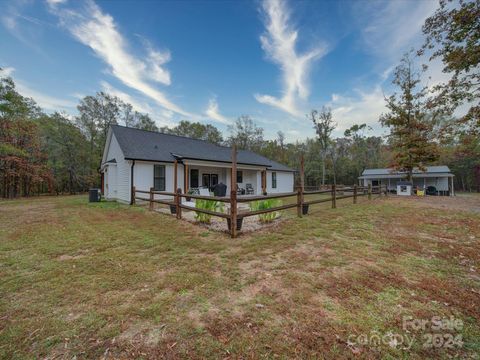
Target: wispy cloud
<point x="6" y="71"/>
<point x="45" y="101"/>
<point x="389" y="28"/>
<point x="161" y="116"/>
<point x="279" y="43"/>
<point x="213" y="112"/>
<point x="24" y="28"/>
<point x="365" y="107"/>
<point x="98" y="30"/>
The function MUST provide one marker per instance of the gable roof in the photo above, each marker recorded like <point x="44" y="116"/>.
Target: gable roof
<point x="146" y="145"/>
<point x="429" y="170"/>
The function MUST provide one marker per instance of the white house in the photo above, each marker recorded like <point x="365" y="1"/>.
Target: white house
<point x="436" y="180"/>
<point x="145" y="159"/>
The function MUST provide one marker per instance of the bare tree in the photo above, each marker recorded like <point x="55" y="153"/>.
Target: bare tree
<point x="324" y="126"/>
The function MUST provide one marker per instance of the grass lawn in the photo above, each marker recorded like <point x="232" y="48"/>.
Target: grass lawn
<point x="113" y="281"/>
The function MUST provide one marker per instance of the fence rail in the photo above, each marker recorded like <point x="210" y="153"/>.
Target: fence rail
<point x="233" y="215"/>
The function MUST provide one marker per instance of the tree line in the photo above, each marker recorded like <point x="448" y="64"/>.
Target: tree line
<point x="58" y="153"/>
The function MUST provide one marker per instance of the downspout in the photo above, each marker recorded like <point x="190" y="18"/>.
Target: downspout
<point x="131" y="181"/>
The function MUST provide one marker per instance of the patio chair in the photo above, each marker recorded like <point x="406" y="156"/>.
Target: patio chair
<point x="240" y="191"/>
<point x="249" y="189"/>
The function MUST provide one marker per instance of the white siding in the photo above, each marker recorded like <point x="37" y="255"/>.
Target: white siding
<point x="111" y="181"/>
<point x="119" y="189"/>
<point x="250" y="177"/>
<point x="284" y="182"/>
<point x="143" y="176"/>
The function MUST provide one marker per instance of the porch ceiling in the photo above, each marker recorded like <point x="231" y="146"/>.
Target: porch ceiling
<point x="215" y="164"/>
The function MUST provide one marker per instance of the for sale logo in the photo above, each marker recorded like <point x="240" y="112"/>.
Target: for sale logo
<point x="435" y="332"/>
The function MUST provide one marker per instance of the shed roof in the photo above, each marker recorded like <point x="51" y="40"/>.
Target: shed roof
<point x="431" y="171"/>
<point x="146" y="145"/>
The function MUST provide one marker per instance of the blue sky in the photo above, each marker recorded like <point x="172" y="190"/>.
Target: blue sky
<point x="211" y="61"/>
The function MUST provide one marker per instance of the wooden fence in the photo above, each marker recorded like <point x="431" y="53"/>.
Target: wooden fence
<point x="235" y="218"/>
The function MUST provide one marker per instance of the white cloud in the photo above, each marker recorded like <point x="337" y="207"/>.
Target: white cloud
<point x="137" y="105"/>
<point x="390" y="28"/>
<point x="55" y="2"/>
<point x="99" y="31"/>
<point x="45" y="101"/>
<point x="279" y="43"/>
<point x="213" y="112"/>
<point x="24" y="28"/>
<point x="161" y="116"/>
<point x="7" y="71"/>
<point x="364" y="108"/>
<point x="9" y="22"/>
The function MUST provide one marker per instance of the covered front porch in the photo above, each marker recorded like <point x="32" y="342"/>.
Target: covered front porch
<point x="251" y="180"/>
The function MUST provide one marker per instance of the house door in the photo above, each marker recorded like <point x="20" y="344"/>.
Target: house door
<point x="209" y="180"/>
<point x="213" y="181"/>
<point x="206" y="180"/>
<point x="193" y="178"/>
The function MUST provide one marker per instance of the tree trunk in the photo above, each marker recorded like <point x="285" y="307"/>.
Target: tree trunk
<point x="477" y="177"/>
<point x="323" y="169"/>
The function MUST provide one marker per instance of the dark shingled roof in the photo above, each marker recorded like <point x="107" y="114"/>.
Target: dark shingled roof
<point x="154" y="146"/>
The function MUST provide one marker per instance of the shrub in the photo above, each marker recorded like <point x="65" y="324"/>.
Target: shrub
<point x="211" y="205"/>
<point x="266" y="204"/>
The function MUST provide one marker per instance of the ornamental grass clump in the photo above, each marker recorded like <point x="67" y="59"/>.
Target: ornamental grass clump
<point x="266" y="204"/>
<point x="211" y="205"/>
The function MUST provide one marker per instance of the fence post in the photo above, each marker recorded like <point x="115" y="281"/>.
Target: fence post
<point x="150" y="205"/>
<point x="233" y="194"/>
<point x="178" y="200"/>
<point x="299" y="202"/>
<point x="334" y="196"/>
<point x="300" y="189"/>
<point x="370" y="191"/>
<point x="355" y="194"/>
<point x="133" y="195"/>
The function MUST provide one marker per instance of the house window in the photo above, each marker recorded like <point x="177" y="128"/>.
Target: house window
<point x="194" y="178"/>
<point x="159" y="177"/>
<point x="240" y="177"/>
<point x="274" y="180"/>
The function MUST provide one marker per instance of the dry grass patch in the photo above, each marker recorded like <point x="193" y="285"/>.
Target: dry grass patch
<point x="107" y="280"/>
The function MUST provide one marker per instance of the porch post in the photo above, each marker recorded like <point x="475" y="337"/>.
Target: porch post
<point x="175" y="175"/>
<point x="264" y="182"/>
<point x="175" y="180"/>
<point x="233" y="194"/>
<point x="185" y="178"/>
